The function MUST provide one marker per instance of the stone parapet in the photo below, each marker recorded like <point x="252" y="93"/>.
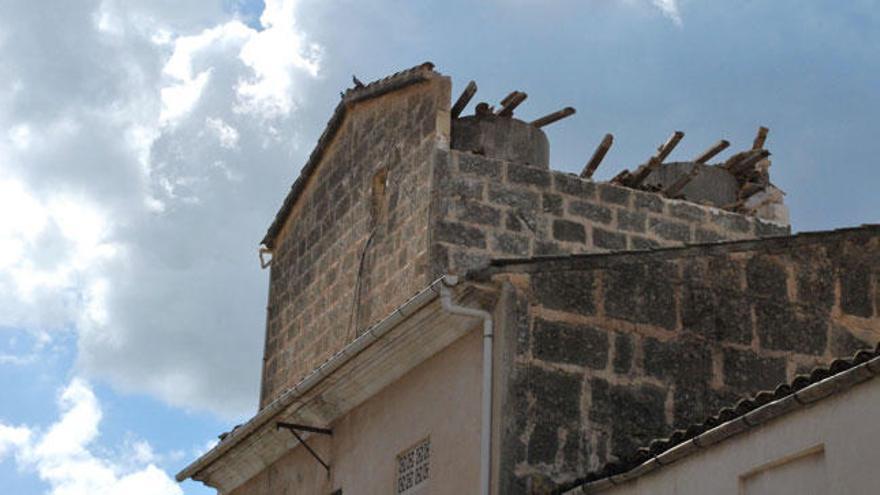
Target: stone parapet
<point x="485" y="208"/>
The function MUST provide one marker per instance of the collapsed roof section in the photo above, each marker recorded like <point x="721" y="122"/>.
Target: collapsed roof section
<point x="740" y="184"/>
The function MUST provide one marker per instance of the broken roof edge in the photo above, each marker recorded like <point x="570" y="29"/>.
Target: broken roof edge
<point x="394" y="82"/>
<point x="505" y="265"/>
<point x="802" y="392"/>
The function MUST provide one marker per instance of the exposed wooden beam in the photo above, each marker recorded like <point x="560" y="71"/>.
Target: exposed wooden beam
<point x="675" y="188"/>
<point x="760" y="138"/>
<point x="662" y="152"/>
<point x="510" y="103"/>
<point x="744" y="161"/>
<point x="553" y="117"/>
<point x="469" y="91"/>
<point x="598" y="156"/>
<point x="712" y="152"/>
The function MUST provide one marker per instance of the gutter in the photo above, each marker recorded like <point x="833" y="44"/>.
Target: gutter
<point x="797" y="400"/>
<point x="291" y="395"/>
<point x="486" y="420"/>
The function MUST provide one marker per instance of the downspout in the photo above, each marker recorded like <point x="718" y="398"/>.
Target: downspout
<point x="486" y="421"/>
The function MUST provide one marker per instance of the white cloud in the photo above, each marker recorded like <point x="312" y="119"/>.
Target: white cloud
<point x="268" y="92"/>
<point x="136" y="218"/>
<point x="669" y="9"/>
<point x="226" y="134"/>
<point x="63" y="456"/>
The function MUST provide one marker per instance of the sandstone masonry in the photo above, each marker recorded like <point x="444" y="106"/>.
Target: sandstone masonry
<point x="387" y="206"/>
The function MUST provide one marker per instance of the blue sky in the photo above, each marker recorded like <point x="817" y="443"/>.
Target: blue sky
<point x="146" y="145"/>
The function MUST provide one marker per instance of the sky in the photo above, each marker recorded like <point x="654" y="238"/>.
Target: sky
<point x="145" y="146"/>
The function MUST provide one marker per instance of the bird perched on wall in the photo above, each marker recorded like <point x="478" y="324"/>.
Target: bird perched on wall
<point x="357" y="82"/>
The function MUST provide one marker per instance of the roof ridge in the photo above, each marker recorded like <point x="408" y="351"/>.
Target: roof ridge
<point x="379" y="87"/>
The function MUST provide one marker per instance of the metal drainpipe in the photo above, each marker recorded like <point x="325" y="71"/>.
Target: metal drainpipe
<point x="486" y="422"/>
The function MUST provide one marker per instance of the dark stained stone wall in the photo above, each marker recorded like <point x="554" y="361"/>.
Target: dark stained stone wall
<point x="612" y="351"/>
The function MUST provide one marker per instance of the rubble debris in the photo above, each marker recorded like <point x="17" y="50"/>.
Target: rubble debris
<point x="636" y="178"/>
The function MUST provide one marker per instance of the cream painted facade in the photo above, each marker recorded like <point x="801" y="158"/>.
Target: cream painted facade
<point x="438" y="399"/>
<point x="828" y="448"/>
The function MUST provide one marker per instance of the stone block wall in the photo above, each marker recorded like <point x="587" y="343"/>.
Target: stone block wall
<point x="355" y="245"/>
<point x="485" y="208"/>
<point x="606" y="353"/>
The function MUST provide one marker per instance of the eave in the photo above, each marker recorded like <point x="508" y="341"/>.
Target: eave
<point x="411" y="334"/>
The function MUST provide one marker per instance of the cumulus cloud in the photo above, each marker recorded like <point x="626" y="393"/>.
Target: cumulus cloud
<point x="63" y="455"/>
<point x="143" y="157"/>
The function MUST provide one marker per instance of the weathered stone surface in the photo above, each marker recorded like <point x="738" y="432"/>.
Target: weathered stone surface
<point x="716" y="316"/>
<point x="767" y="278"/>
<point x="473" y="212"/>
<point x="767" y="229"/>
<point x="648" y="202"/>
<point x="495" y="137"/>
<point x="687" y="211"/>
<point x="564" y="230"/>
<point x="591" y="211"/>
<point x="702" y="236"/>
<point x="658" y="306"/>
<point x="570" y="291"/>
<point x="552" y="204"/>
<point x="518" y="174"/>
<point x="728" y="221"/>
<point x="855" y="290"/>
<point x="559" y="342"/>
<point x="526" y="200"/>
<point x="464" y="188"/>
<point x="693" y="402"/>
<point x="556" y="398"/>
<point x="815" y="279"/>
<point x="517" y="245"/>
<point x="476" y="165"/>
<point x="746" y="372"/>
<point x="670" y="230"/>
<point x="631" y="221"/>
<point x="634" y="413"/>
<point x="464" y="260"/>
<point x="641" y="293"/>
<point x="780" y="328"/>
<point x="682" y="361"/>
<point x="614" y="194"/>
<point x="456" y="233"/>
<point x="623" y="353"/>
<point x="607" y="239"/>
<point x="546" y="248"/>
<point x="512" y="222"/>
<point x="640" y="243"/>
<point x="622" y="290"/>
<point x="573" y="185"/>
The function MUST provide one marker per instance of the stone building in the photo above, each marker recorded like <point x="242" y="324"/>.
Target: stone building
<point x="448" y="315"/>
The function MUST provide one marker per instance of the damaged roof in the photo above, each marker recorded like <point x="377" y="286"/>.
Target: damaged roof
<point x="351" y="96"/>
